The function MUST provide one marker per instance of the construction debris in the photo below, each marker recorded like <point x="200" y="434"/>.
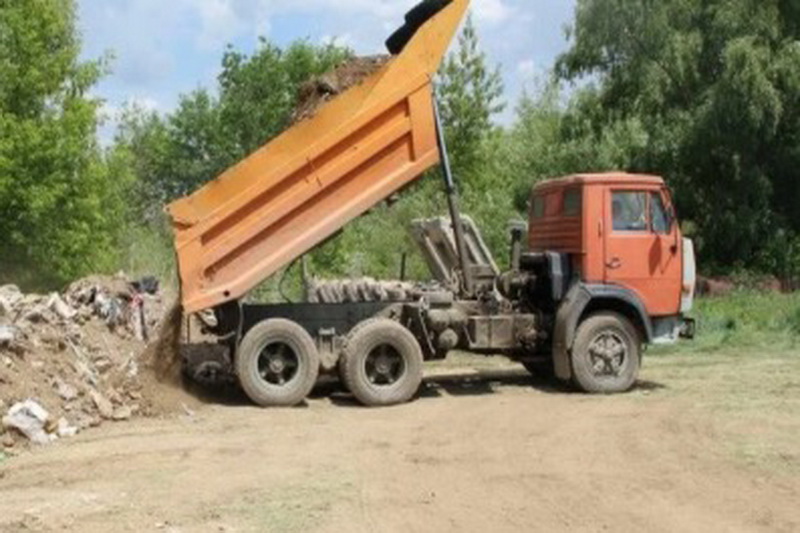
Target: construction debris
<point x="30" y="419"/>
<point x="7" y="335"/>
<point x="73" y="360"/>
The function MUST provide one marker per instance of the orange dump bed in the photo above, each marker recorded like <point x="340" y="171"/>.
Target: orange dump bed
<point x="305" y="185"/>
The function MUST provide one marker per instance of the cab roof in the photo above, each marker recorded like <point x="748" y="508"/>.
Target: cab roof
<point x="605" y="178"/>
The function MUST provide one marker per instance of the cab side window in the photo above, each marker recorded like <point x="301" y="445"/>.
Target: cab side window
<point x="658" y="214"/>
<point x="629" y="211"/>
<point x="538" y="207"/>
<point x="572" y="203"/>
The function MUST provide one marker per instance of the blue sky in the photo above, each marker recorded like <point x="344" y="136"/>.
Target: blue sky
<point x="163" y="48"/>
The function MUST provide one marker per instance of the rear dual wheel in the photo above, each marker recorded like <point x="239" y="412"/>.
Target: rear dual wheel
<point x="277" y="363"/>
<point x="381" y="363"/>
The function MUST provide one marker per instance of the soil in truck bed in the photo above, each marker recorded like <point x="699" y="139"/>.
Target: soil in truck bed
<point x="318" y="91"/>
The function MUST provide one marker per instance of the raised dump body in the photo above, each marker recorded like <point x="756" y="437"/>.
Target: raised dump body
<point x="305" y="185"/>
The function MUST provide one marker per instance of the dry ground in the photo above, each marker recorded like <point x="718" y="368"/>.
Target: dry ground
<point x="706" y="443"/>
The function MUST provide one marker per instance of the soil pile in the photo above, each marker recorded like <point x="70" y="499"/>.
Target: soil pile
<point x="83" y="355"/>
<point x="318" y="91"/>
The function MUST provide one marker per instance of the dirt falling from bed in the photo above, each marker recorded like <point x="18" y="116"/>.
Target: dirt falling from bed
<point x="162" y="382"/>
<point x="163" y="355"/>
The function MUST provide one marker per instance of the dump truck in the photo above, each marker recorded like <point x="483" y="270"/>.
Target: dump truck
<point x="603" y="273"/>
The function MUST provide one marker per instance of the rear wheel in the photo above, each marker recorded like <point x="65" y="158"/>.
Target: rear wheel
<point x="382" y="363"/>
<point x="277" y="363"/>
<point x="606" y="355"/>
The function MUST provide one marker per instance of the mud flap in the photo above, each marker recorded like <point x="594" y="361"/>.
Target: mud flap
<point x="567" y="318"/>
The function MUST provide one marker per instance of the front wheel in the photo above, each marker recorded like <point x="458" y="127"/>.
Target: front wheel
<point x="606" y="355"/>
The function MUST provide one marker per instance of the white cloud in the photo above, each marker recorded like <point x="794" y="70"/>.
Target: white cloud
<point x="526" y="68"/>
<point x="344" y="40"/>
<point x="220" y="22"/>
<point x="224" y="20"/>
<point x="491" y="11"/>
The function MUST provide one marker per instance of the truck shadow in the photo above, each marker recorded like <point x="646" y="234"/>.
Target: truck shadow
<point x="483" y="382"/>
<point x="475" y="383"/>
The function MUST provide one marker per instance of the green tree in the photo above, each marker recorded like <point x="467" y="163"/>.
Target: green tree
<point x="713" y="85"/>
<point x="58" y="202"/>
<point x="470" y="95"/>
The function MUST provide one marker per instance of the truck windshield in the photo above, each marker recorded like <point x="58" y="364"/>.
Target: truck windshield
<point x="629" y="211"/>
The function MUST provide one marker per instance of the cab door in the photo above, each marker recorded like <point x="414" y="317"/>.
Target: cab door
<point x="643" y="247"/>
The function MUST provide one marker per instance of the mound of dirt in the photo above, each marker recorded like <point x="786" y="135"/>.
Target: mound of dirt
<point x="315" y="93"/>
<point x="101" y="351"/>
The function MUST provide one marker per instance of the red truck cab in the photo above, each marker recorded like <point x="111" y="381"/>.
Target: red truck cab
<point x="625" y="251"/>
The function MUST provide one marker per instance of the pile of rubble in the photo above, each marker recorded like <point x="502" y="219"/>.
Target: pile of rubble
<point x="74" y="360"/>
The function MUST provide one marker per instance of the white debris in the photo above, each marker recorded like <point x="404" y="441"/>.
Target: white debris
<point x="60" y="307"/>
<point x="123" y="413"/>
<point x="104" y="406"/>
<point x="7" y="335"/>
<point x="30" y="419"/>
<point x="10" y="294"/>
<point x="109" y="309"/>
<point x="66" y="391"/>
<point x="64" y="429"/>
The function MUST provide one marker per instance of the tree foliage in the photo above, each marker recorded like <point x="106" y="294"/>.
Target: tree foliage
<point x="470" y="92"/>
<point x="59" y="205"/>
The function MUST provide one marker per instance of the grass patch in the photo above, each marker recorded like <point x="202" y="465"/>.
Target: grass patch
<point x="751" y="393"/>
<point x="744" y="368"/>
<point x="744" y="319"/>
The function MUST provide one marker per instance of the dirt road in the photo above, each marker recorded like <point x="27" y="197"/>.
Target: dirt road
<point x="479" y="451"/>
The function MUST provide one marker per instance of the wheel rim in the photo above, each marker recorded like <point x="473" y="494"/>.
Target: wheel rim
<point x="384" y="366"/>
<point x="608" y="354"/>
<point x="278" y="364"/>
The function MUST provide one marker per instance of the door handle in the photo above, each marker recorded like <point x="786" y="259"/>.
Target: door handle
<point x="615" y="263"/>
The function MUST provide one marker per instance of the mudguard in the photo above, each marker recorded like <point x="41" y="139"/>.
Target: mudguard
<point x="572" y="308"/>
